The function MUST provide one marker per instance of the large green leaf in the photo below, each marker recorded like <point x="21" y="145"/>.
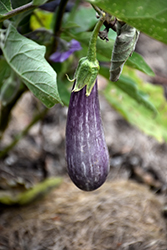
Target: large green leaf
<point x="26" y="58"/>
<point x="136" y="61"/>
<point x="138" y="115"/>
<point x="147" y="16"/>
<point x="5" y="6"/>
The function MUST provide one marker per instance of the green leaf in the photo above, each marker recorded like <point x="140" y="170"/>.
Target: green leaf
<point x="42" y="36"/>
<point x="18" y="3"/>
<point x="138" y="115"/>
<point x="5" y="6"/>
<point x="64" y="91"/>
<point x="44" y="17"/>
<point x="70" y="25"/>
<point x="104" y="48"/>
<point x="26" y="58"/>
<point x="147" y="16"/>
<point x="39" y="2"/>
<point x="129" y="86"/>
<point x="85" y="19"/>
<point x="5" y="71"/>
<point x="136" y="61"/>
<point x="9" y="90"/>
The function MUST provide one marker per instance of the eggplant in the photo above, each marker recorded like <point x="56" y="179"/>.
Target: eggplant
<point x="86" y="150"/>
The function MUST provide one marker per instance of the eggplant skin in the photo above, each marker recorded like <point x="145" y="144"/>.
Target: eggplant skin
<point x="86" y="150"/>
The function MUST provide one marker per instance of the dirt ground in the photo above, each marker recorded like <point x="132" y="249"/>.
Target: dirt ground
<point x="120" y="215"/>
<point x="127" y="212"/>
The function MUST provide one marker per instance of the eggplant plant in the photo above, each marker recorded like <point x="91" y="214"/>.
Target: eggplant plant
<point x="40" y="44"/>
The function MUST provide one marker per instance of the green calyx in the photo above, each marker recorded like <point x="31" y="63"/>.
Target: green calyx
<point x="88" y="66"/>
<point x="86" y="74"/>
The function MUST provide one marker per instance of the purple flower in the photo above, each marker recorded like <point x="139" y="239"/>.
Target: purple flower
<point x="65" y="50"/>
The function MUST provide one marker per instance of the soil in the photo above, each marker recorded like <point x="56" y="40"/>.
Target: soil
<point x="127" y="212"/>
<point x="120" y="215"/>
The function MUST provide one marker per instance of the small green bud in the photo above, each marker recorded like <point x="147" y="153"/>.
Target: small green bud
<point x="86" y="74"/>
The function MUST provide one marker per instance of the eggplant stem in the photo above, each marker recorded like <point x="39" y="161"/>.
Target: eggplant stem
<point x="91" y="55"/>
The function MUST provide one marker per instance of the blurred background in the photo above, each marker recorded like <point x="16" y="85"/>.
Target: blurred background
<point x="128" y="212"/>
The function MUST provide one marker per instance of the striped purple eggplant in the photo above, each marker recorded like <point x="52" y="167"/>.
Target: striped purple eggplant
<point x="86" y="151"/>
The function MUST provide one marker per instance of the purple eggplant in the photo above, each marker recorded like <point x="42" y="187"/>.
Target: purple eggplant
<point x="86" y="150"/>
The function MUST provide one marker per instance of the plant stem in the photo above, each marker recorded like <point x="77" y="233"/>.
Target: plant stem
<point x="91" y="55"/>
<point x="23" y="133"/>
<point x="17" y="11"/>
<point x="96" y="9"/>
<point x="58" y="23"/>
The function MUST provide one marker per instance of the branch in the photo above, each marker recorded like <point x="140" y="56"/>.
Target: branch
<point x="17" y="11"/>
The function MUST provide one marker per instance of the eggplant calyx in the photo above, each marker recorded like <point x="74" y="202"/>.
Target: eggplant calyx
<point x="86" y="74"/>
